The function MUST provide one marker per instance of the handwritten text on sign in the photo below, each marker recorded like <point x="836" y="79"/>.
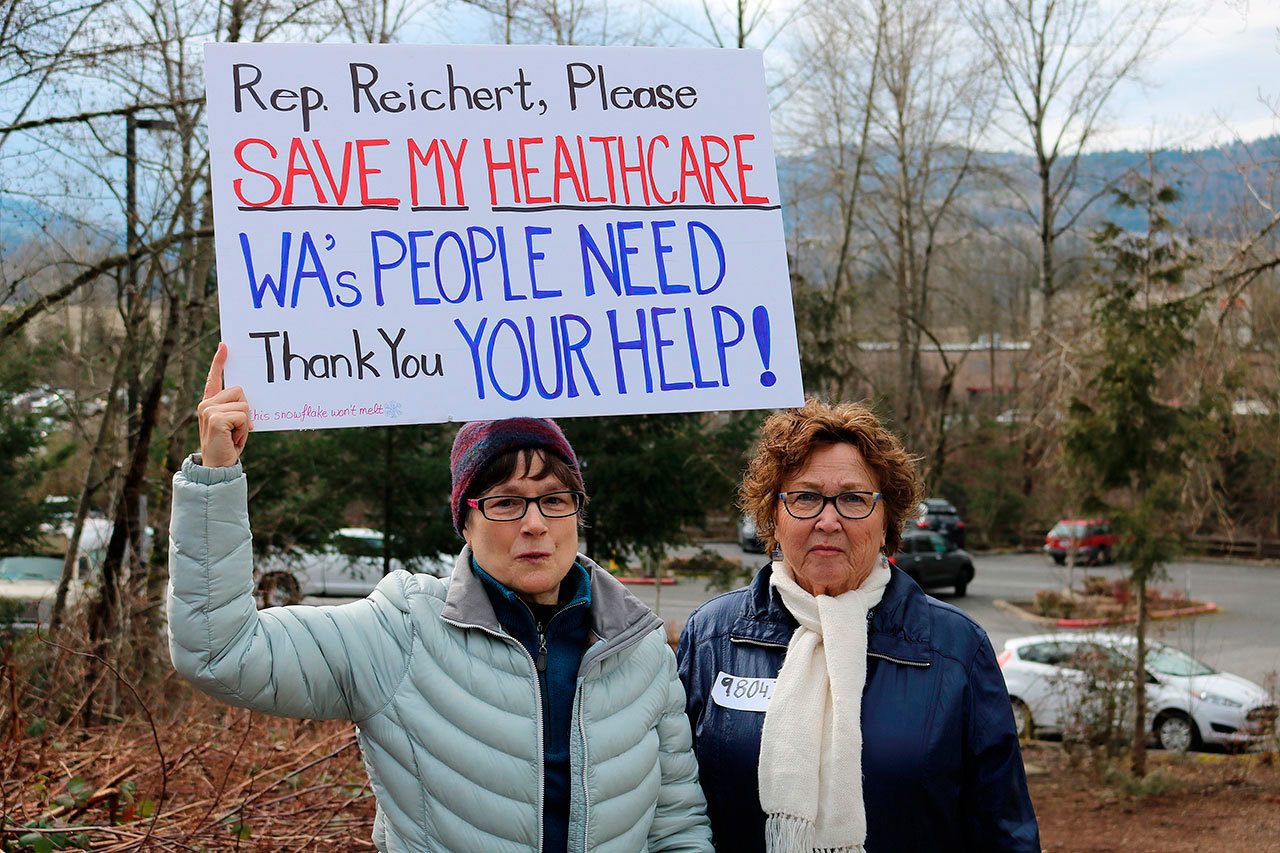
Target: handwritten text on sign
<point x="414" y="234"/>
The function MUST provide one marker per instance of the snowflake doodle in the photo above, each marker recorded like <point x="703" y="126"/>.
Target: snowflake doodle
<point x="393" y="409"/>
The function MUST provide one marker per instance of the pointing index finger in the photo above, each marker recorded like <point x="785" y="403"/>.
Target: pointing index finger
<point x="214" y="383"/>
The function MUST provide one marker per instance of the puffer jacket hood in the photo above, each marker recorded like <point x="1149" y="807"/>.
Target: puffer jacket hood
<point x="942" y="771"/>
<point x="445" y="702"/>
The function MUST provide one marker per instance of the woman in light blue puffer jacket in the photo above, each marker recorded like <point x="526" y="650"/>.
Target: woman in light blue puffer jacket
<point x="531" y="705"/>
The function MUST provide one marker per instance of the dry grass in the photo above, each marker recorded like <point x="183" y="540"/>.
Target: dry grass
<point x="165" y="769"/>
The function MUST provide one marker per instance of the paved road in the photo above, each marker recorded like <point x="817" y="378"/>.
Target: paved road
<point x="1244" y="638"/>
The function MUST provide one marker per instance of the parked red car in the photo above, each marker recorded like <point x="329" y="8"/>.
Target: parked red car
<point x="1094" y="541"/>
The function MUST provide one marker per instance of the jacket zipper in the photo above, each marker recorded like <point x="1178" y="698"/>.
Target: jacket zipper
<point x="763" y="643"/>
<point x="586" y="790"/>
<point x="542" y="648"/>
<point x="898" y="660"/>
<point x="540" y="666"/>
<point x="768" y="645"/>
<point x="537" y="694"/>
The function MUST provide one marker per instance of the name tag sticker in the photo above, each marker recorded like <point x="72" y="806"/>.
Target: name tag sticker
<point x="742" y="694"/>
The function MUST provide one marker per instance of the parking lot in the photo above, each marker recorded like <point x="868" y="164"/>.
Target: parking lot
<point x="1244" y="637"/>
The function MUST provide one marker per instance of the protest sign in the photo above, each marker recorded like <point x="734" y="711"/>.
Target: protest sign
<point x="412" y="234"/>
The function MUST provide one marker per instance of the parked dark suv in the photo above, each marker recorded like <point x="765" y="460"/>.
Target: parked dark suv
<point x="942" y="518"/>
<point x="932" y="561"/>
<point x="1094" y="541"/>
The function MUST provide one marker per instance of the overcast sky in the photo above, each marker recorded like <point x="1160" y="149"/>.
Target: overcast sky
<point x="1209" y="83"/>
<point x="1218" y="59"/>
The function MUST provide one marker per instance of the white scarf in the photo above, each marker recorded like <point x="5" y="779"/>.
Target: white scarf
<point x="811" y="750"/>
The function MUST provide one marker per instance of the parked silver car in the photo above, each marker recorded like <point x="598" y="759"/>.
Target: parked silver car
<point x="350" y="566"/>
<point x="1189" y="703"/>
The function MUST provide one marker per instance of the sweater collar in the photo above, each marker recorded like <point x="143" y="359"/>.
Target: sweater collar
<point x="509" y="608"/>
<point x="899" y="623"/>
<point x="615" y="612"/>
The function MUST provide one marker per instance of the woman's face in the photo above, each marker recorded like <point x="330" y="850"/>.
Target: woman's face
<point x="830" y="554"/>
<point x="530" y="556"/>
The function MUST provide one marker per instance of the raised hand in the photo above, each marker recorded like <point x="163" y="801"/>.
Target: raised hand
<point x="225" y="419"/>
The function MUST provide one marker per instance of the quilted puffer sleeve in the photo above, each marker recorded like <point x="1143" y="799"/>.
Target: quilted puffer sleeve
<point x="313" y="662"/>
<point x="680" y="822"/>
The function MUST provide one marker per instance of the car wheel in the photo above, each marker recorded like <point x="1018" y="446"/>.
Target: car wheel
<point x="1176" y="732"/>
<point x="1060" y="560"/>
<point x="278" y="589"/>
<point x="962" y="585"/>
<point x="1022" y="719"/>
<point x="1104" y="557"/>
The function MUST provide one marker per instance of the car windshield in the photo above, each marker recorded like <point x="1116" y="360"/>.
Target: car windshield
<point x="1060" y="529"/>
<point x="30" y="568"/>
<point x="1170" y="661"/>
<point x="358" y="546"/>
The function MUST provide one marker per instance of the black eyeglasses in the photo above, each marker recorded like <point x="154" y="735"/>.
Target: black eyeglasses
<point x="514" y="507"/>
<point x="850" y="505"/>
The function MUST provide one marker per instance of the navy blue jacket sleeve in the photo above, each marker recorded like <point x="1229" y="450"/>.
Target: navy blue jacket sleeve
<point x="997" y="803"/>
<point x="690" y="675"/>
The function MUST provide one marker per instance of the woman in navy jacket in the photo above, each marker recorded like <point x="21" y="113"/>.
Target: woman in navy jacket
<point x="897" y="741"/>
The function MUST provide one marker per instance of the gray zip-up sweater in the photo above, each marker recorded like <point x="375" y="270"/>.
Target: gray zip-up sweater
<point x="444" y="700"/>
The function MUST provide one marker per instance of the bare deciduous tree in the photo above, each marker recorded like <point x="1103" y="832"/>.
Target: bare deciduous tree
<point x="1059" y="62"/>
<point x="838" y="53"/>
<point x="931" y="108"/>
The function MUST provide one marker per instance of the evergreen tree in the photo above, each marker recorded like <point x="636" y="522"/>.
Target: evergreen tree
<point x="650" y="477"/>
<point x="1137" y="426"/>
<point x="24" y="459"/>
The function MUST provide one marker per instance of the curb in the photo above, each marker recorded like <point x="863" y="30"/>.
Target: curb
<point x="646" y="581"/>
<point x="1259" y="562"/>
<point x="1207" y="607"/>
<point x="1001" y="604"/>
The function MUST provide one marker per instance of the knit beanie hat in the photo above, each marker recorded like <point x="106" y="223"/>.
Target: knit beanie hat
<point x="480" y="442"/>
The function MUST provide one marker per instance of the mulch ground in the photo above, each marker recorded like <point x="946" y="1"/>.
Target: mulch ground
<point x="233" y="780"/>
<point x="1197" y="802"/>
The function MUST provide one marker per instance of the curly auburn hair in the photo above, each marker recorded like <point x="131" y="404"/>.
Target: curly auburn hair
<point x="788" y="438"/>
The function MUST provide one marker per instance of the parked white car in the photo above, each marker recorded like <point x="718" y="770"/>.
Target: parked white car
<point x="350" y="566"/>
<point x="1188" y="702"/>
<point x="29" y="584"/>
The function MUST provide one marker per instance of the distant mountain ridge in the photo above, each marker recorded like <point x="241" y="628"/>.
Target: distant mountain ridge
<point x="1210" y="180"/>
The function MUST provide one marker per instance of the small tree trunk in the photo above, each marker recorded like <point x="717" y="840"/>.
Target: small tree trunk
<point x="91" y="485"/>
<point x="1138" y="755"/>
<point x="1071" y="564"/>
<point x="128" y="532"/>
<point x="655" y="570"/>
<point x="1047" y="289"/>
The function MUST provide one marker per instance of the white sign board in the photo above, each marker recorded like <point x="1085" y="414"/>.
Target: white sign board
<point x="413" y="234"/>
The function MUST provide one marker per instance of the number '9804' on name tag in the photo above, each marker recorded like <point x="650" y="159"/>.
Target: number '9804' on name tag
<point x="742" y="694"/>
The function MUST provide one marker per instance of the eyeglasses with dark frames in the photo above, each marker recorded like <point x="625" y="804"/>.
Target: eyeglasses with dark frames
<point x="850" y="505"/>
<point x="513" y="507"/>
